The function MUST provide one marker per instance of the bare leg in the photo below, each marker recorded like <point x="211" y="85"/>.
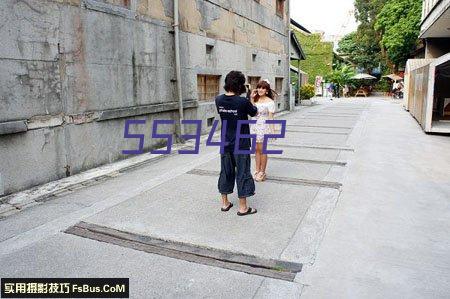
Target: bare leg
<point x="225" y="201"/>
<point x="258" y="158"/>
<point x="243" y="205"/>
<point x="263" y="166"/>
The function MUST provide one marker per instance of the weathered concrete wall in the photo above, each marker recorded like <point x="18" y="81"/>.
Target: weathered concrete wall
<point x="72" y="72"/>
<point x="237" y="30"/>
<point x="436" y="47"/>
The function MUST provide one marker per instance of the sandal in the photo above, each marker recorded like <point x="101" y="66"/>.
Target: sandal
<point x="249" y="212"/>
<point x="263" y="176"/>
<point x="255" y="175"/>
<point x="227" y="208"/>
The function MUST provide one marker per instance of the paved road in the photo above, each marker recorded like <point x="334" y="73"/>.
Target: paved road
<point x="359" y="200"/>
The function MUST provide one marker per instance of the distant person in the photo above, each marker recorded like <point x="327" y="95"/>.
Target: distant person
<point x="235" y="167"/>
<point x="331" y="90"/>
<point x="263" y="98"/>
<point x="394" y="87"/>
<point x="345" y="90"/>
<point x="336" y="90"/>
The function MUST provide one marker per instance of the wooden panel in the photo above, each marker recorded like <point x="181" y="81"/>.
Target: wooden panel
<point x="417" y="93"/>
<point x="207" y="86"/>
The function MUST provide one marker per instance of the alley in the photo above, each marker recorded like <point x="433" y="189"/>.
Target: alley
<point x="346" y="210"/>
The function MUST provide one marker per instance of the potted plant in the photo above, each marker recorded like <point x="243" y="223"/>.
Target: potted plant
<point x="307" y="91"/>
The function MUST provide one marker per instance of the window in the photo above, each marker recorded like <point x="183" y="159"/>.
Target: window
<point x="210" y="121"/>
<point x="279" y="62"/>
<point x="209" y="49"/>
<point x="253" y="57"/>
<point x="124" y="3"/>
<point x="207" y="87"/>
<point x="280" y="8"/>
<point x="253" y="81"/>
<point x="279" y="85"/>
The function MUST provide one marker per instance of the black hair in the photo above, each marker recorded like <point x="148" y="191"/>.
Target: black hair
<point x="235" y="82"/>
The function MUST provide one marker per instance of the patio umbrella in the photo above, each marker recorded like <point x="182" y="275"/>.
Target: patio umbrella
<point x="393" y="77"/>
<point x="363" y="76"/>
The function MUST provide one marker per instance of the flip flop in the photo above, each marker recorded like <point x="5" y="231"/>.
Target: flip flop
<point x="227" y="208"/>
<point x="249" y="212"/>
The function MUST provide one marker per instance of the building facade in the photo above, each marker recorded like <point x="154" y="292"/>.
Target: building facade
<point x="73" y="71"/>
<point x="435" y="27"/>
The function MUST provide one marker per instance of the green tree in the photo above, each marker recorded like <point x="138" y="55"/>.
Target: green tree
<point x="399" y="25"/>
<point x="341" y="76"/>
<point x="367" y="52"/>
<point x="360" y="49"/>
<point x="319" y="55"/>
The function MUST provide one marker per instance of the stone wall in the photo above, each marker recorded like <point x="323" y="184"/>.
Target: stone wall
<point x="72" y="72"/>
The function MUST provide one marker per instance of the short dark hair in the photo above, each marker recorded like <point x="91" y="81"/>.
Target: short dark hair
<point x="235" y="82"/>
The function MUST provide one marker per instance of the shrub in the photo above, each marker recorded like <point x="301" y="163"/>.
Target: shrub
<point x="383" y="85"/>
<point x="307" y="91"/>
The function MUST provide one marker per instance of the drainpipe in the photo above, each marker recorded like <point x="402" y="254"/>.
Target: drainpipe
<point x="177" y="65"/>
<point x="291" y="103"/>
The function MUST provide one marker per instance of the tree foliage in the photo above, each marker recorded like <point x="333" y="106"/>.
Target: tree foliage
<point x="399" y="25"/>
<point x="341" y="76"/>
<point x="386" y="34"/>
<point x="360" y="49"/>
<point x="363" y="46"/>
<point x="366" y="11"/>
<point x="319" y="55"/>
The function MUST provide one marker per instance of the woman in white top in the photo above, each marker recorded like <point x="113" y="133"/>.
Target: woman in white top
<point x="262" y="97"/>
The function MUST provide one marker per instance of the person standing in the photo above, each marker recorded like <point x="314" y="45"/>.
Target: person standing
<point x="235" y="167"/>
<point x="262" y="97"/>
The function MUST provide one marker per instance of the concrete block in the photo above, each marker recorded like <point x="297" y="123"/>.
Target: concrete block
<point x="29" y="88"/>
<point x="44" y="121"/>
<point x="142" y="110"/>
<point x="7" y="210"/>
<point x="29" y="30"/>
<point x="95" y="150"/>
<point x="11" y="127"/>
<point x="108" y="8"/>
<point x="31" y="159"/>
<point x="98" y="87"/>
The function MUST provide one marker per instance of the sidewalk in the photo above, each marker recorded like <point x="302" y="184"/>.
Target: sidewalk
<point x="348" y="154"/>
<point x="390" y="233"/>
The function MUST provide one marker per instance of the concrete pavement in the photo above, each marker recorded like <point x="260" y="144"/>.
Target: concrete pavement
<point x="362" y="203"/>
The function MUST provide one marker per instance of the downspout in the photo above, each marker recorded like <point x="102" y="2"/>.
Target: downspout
<point x="177" y="65"/>
<point x="291" y="101"/>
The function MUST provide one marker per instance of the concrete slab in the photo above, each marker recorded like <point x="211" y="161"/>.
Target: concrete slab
<point x="151" y="276"/>
<point x="330" y="130"/>
<point x="277" y="168"/>
<point x="191" y="213"/>
<point x="323" y="122"/>
<point x="313" y="138"/>
<point x="35" y="216"/>
<point x="306" y="153"/>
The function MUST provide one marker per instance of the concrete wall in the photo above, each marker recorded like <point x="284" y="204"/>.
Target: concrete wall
<point x="72" y="71"/>
<point x="436" y="47"/>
